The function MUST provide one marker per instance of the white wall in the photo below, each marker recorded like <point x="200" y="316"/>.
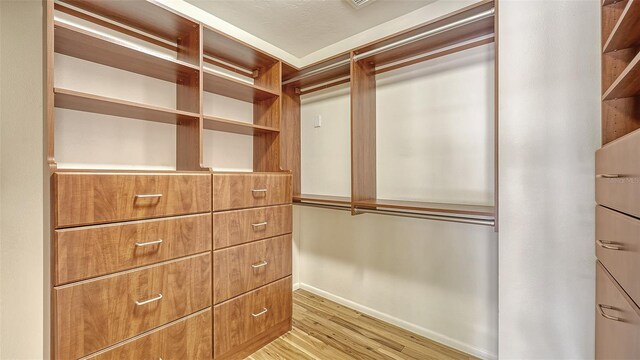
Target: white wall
<point x="434" y="143"/>
<point x="549" y="130"/>
<point x="23" y="255"/>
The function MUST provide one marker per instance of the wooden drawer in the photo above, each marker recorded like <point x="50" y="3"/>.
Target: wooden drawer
<point x="188" y="338"/>
<point x="618" y="174"/>
<point x="239" y="269"/>
<point x="618" y="248"/>
<point x="85" y="252"/>
<point x="239" y="191"/>
<point x="617" y="322"/>
<point x="94" y="314"/>
<point x="241" y="226"/>
<point x="262" y="314"/>
<point x="96" y="198"/>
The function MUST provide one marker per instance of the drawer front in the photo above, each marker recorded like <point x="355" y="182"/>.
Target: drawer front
<point x="618" y="174"/>
<point x="237" y="322"/>
<point x="239" y="191"/>
<point x="92" y="315"/>
<point x="86" y="252"/>
<point x="618" y="248"/>
<point x="241" y="226"/>
<point x="189" y="338"/>
<point x="617" y="324"/>
<point x="242" y="268"/>
<point x="83" y="199"/>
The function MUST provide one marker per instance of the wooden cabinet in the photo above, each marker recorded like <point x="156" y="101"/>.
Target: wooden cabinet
<point x="188" y="338"/>
<point x="617" y="320"/>
<point x="242" y="268"/>
<point x="240" y="323"/>
<point x="85" y="252"/>
<point x="98" y="313"/>
<point x="237" y="227"/>
<point x="95" y="198"/>
<point x="239" y="191"/>
<point x="618" y="248"/>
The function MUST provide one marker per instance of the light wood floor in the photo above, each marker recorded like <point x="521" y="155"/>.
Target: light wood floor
<point x="324" y="330"/>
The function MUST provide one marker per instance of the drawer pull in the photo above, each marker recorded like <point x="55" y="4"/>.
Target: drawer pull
<point x="144" y="302"/>
<point x="608" y="245"/>
<point x="156" y="242"/>
<point x="147" y="196"/>
<point x="259" y="224"/>
<point x="609" y="176"/>
<point x="260" y="264"/>
<point x="264" y="311"/>
<point x="258" y="191"/>
<point x="604" y="315"/>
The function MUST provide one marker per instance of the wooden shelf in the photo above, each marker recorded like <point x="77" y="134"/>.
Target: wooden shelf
<point x="223" y="47"/>
<point x="74" y="100"/>
<point x="626" y="33"/>
<point x="86" y="45"/>
<point x="323" y="199"/>
<point x="236" y="127"/>
<point x="340" y="71"/>
<point x="229" y="87"/>
<point x="627" y="84"/>
<point x="459" y="209"/>
<point x="145" y="16"/>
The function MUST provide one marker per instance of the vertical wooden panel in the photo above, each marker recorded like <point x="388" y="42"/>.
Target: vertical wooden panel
<point x="363" y="131"/>
<point x="266" y="147"/>
<point x="189" y="98"/>
<point x="290" y="136"/>
<point x="48" y="79"/>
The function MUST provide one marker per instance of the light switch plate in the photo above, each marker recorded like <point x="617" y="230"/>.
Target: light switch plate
<point x="317" y="121"/>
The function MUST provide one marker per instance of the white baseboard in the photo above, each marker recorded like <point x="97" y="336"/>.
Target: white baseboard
<point x="296" y="286"/>
<point x="443" y="339"/>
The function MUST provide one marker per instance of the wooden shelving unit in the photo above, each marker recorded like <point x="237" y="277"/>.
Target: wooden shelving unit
<point x="237" y="89"/>
<point x="236" y="127"/>
<point x="620" y="27"/>
<point x="469" y="27"/>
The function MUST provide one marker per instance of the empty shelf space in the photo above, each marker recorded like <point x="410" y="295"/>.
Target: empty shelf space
<point x="626" y="33"/>
<point x="236" y="127"/>
<point x="237" y="89"/>
<point x="225" y="48"/>
<point x="106" y="50"/>
<point x="323" y="199"/>
<point x="459" y="209"/>
<point x="627" y="84"/>
<point x="73" y="100"/>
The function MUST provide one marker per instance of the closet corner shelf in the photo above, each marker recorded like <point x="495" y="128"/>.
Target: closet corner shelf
<point x="221" y="46"/>
<point x="236" y="127"/>
<point x="458" y="209"/>
<point x="322" y="199"/>
<point x="628" y="82"/>
<point x="626" y="32"/>
<point x="240" y="90"/>
<point x="74" y="100"/>
<point x="104" y="50"/>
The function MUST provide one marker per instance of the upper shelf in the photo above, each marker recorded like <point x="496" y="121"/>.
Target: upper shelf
<point x="240" y="90"/>
<point x="457" y="33"/>
<point x="236" y="127"/>
<point x="458" y="209"/>
<point x="109" y="51"/>
<point x="225" y="48"/>
<point x="146" y="16"/>
<point x="627" y="84"/>
<point x="310" y="76"/>
<point x="626" y="32"/>
<point x="74" y="100"/>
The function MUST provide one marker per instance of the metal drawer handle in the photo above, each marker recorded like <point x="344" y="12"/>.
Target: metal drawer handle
<point x="259" y="224"/>
<point x="260" y="264"/>
<point x="264" y="311"/>
<point x="144" y="302"/>
<point x="609" y="176"/>
<point x="261" y="191"/>
<point x="141" y="244"/>
<point x="601" y="306"/>
<point x="147" y="196"/>
<point x="608" y="245"/>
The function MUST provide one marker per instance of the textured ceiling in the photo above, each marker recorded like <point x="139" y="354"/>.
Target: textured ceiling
<point x="301" y="27"/>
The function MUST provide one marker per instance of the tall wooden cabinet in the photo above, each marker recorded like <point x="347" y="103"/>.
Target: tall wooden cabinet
<point x="618" y="186"/>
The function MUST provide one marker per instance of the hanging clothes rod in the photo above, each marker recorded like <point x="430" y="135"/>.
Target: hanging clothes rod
<point x="324" y="206"/>
<point x="456" y="24"/>
<point x="448" y="218"/>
